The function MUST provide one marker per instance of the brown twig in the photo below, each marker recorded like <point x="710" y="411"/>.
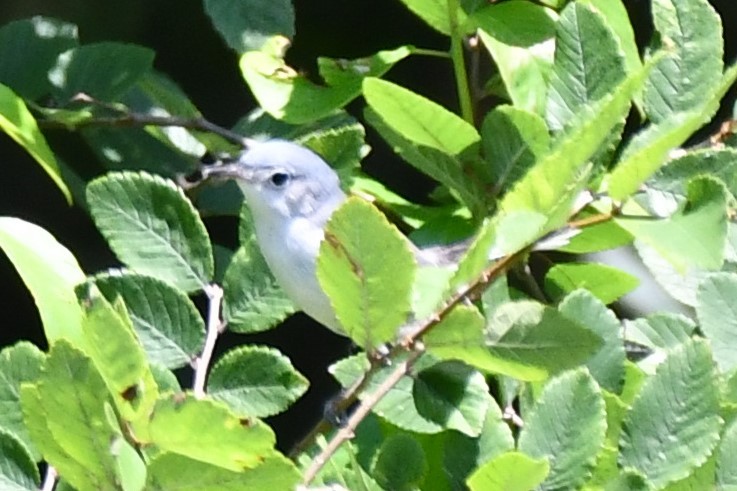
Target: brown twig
<point x="126" y="118"/>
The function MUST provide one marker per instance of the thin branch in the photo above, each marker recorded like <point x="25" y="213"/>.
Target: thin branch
<point x="49" y="478"/>
<point x="127" y="118"/>
<point x="214" y="325"/>
<point x="348" y="430"/>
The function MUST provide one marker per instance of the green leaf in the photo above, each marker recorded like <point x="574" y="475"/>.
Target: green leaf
<point x="513" y="140"/>
<point x="19" y="363"/>
<point x="249" y="25"/>
<point x="567" y="426"/>
<point x="256" y="381"/>
<point x="177" y="425"/>
<point x="717" y="301"/>
<point x="615" y="16"/>
<point x="606" y="365"/>
<point x="165" y="320"/>
<point x="291" y="97"/>
<point x="368" y="271"/>
<point x="116" y="353"/>
<point x="444" y="168"/>
<point x="673" y="425"/>
<point x="673" y="178"/>
<point x="661" y="331"/>
<point x="400" y="463"/>
<point x="694" y="236"/>
<point x="20" y="125"/>
<point x="691" y="31"/>
<point x="18" y="470"/>
<point x="69" y="416"/>
<point x="103" y="71"/>
<point x="520" y="38"/>
<point x="648" y="150"/>
<point x="726" y="458"/>
<point x="50" y="272"/>
<point x="510" y="471"/>
<point x="418" y="119"/>
<point x="254" y="301"/>
<point x="454" y="395"/>
<point x="40" y="39"/>
<point x="588" y="65"/>
<point x="399" y="406"/>
<point x="152" y="227"/>
<point x="532" y="334"/>
<point x="436" y="13"/>
<point x="599" y="237"/>
<point x="169" y="471"/>
<point x="606" y="283"/>
<point x="550" y="187"/>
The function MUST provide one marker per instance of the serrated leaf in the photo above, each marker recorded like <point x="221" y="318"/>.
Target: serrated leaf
<point x="673" y="178"/>
<point x="648" y="150"/>
<point x="291" y="97"/>
<point x="692" y="33"/>
<point x="717" y="301"/>
<point x="103" y="70"/>
<point x="40" y="39"/>
<point x="50" y="272"/>
<point x="452" y="394"/>
<point x="520" y="38"/>
<point x="398" y="406"/>
<point x="532" y="334"/>
<point x="588" y="64"/>
<point x="256" y="381"/>
<point x="513" y="140"/>
<point x="116" y="353"/>
<point x="367" y="269"/>
<point x="606" y="283"/>
<point x="726" y="458"/>
<point x="165" y="320"/>
<point x="244" y="31"/>
<point x="596" y="238"/>
<point x="176" y="426"/>
<point x="400" y="463"/>
<point x="20" y="363"/>
<point x="673" y="425"/>
<point x="69" y="413"/>
<point x="152" y="227"/>
<point x="550" y="187"/>
<point x="510" y="471"/>
<point x="169" y="471"/>
<point x="607" y="365"/>
<point x="660" y="331"/>
<point x="566" y="426"/>
<point x="694" y="236"/>
<point x="254" y="301"/>
<point x="20" y="125"/>
<point x="18" y="470"/>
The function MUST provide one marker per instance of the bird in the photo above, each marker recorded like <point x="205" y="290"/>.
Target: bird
<point x="292" y="193"/>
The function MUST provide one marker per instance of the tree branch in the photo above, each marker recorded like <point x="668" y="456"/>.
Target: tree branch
<point x="214" y="325"/>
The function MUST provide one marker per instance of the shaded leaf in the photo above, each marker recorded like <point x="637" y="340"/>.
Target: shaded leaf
<point x="400" y="463"/>
<point x="717" y="301"/>
<point x="18" y="470"/>
<point x="510" y="471"/>
<point x="606" y="283"/>
<point x="244" y="31"/>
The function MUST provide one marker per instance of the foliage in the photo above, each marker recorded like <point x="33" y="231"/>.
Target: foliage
<point x="497" y="379"/>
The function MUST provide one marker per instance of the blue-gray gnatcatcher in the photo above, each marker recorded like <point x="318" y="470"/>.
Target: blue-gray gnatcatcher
<point x="292" y="192"/>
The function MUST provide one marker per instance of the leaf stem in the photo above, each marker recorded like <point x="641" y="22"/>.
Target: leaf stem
<point x="431" y="52"/>
<point x="214" y="325"/>
<point x="459" y="62"/>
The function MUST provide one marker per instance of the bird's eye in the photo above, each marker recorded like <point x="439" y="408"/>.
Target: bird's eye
<point x="279" y="179"/>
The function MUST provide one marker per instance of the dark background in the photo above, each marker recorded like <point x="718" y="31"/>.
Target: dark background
<point x="190" y="51"/>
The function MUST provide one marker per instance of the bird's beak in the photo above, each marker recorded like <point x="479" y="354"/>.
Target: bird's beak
<point x="233" y="170"/>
